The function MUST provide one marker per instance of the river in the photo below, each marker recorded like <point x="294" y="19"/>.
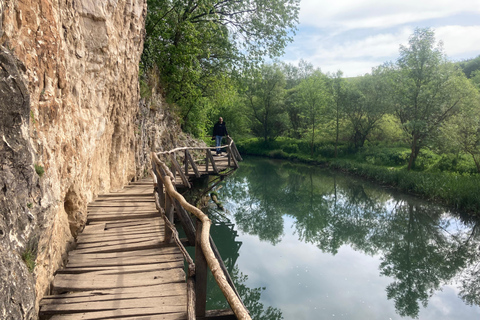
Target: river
<point x="307" y="243"/>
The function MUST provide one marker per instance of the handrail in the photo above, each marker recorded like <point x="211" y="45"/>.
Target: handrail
<point x="195" y="148"/>
<point x="234" y="301"/>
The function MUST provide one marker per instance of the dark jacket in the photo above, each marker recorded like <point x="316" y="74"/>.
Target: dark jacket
<point x="220" y="129"/>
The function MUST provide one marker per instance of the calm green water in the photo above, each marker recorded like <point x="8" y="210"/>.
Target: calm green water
<point x="304" y="242"/>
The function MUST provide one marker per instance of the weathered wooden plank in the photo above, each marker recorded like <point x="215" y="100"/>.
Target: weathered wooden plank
<point x="117" y="237"/>
<point x="95" y="281"/>
<point x="160" y="290"/>
<point x="124" y="268"/>
<point x="137" y="253"/>
<point x="161" y="305"/>
<point x="125" y="261"/>
<point x="224" y="314"/>
<point x="127" y="314"/>
<point x="123" y="247"/>
<point x="125" y="199"/>
<point x="127" y="216"/>
<point x="121" y="205"/>
<point x="117" y="242"/>
<point x="132" y="223"/>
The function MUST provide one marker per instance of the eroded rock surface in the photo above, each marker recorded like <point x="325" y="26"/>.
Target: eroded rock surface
<point x="18" y="186"/>
<point x="74" y="118"/>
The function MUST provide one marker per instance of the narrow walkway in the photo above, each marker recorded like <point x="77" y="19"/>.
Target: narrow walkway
<point x="121" y="268"/>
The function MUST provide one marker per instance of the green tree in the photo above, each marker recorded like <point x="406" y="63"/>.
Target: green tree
<point x="264" y="95"/>
<point x="192" y="42"/>
<point x="428" y="89"/>
<point x="314" y="98"/>
<point x="337" y="87"/>
<point x="463" y="129"/>
<point x="368" y="103"/>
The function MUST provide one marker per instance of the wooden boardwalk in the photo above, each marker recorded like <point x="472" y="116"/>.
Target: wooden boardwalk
<point x="121" y="267"/>
<point x="128" y="264"/>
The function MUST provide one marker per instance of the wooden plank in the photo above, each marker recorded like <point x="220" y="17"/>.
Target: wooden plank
<point x="117" y="237"/>
<point x="120" y="270"/>
<point x="94" y="281"/>
<point x="142" y="314"/>
<point x="138" y="253"/>
<point x="123" y="247"/>
<point x="162" y="304"/>
<point x="122" y="205"/>
<point x="106" y="217"/>
<point x="125" y="261"/>
<point x="114" y="243"/>
<point x="120" y="267"/>
<point x="160" y="290"/>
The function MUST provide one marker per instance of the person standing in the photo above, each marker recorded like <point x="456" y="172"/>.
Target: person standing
<point x="219" y="131"/>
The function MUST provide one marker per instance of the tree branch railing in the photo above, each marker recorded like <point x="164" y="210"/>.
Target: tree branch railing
<point x="181" y="160"/>
<point x="170" y="202"/>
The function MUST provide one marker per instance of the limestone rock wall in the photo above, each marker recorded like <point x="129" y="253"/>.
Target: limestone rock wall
<point x="74" y="118"/>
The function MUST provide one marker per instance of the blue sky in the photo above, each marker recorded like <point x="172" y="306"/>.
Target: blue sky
<point x="356" y="35"/>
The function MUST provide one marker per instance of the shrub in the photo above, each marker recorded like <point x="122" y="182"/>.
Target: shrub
<point x="39" y="170"/>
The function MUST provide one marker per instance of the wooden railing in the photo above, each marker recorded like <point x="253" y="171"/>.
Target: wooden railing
<point x="203" y="165"/>
<point x="169" y="202"/>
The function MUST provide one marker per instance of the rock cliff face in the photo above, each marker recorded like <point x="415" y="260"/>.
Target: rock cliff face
<point x="69" y="106"/>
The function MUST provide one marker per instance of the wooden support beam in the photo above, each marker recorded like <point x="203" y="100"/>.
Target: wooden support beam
<point x="206" y="161"/>
<point x="201" y="274"/>
<point x="185" y="162"/>
<point x="186" y="222"/>
<point x="169" y="212"/>
<point x="214" y="166"/>
<point x="194" y="165"/>
<point x="233" y="158"/>
<point x="176" y="165"/>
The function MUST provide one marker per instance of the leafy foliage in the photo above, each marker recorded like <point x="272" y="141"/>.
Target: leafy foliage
<point x="195" y="43"/>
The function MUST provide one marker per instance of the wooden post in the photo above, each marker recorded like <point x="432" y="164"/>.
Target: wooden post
<point x="169" y="211"/>
<point x="206" y="160"/>
<point x="192" y="163"/>
<point x="186" y="162"/>
<point x="235" y="163"/>
<point x="238" y="156"/>
<point x="214" y="166"/>
<point x="187" y="223"/>
<point x="229" y="155"/>
<point x="201" y="275"/>
<point x="179" y="169"/>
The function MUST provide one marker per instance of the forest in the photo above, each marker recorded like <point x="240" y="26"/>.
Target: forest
<point x="413" y="123"/>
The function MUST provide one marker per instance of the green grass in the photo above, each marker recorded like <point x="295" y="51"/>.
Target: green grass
<point x="39" y="170"/>
<point x="449" y="179"/>
<point x="29" y="255"/>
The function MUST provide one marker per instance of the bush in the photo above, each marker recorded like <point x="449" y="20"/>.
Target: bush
<point x="39" y="170"/>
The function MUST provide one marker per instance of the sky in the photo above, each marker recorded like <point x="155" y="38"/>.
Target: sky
<point x="356" y="35"/>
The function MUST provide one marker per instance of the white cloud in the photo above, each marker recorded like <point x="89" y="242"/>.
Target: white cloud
<point x="353" y="57"/>
<point x="460" y="40"/>
<point x="353" y="14"/>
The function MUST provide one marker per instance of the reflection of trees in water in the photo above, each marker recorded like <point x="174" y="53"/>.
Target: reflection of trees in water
<point x="225" y="235"/>
<point x="420" y="250"/>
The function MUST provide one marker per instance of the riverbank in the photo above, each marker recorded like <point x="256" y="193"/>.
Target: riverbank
<point x="458" y="189"/>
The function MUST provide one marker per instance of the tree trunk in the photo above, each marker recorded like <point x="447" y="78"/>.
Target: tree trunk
<point x="313" y="136"/>
<point x="414" y="153"/>
<point x="336" y="138"/>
